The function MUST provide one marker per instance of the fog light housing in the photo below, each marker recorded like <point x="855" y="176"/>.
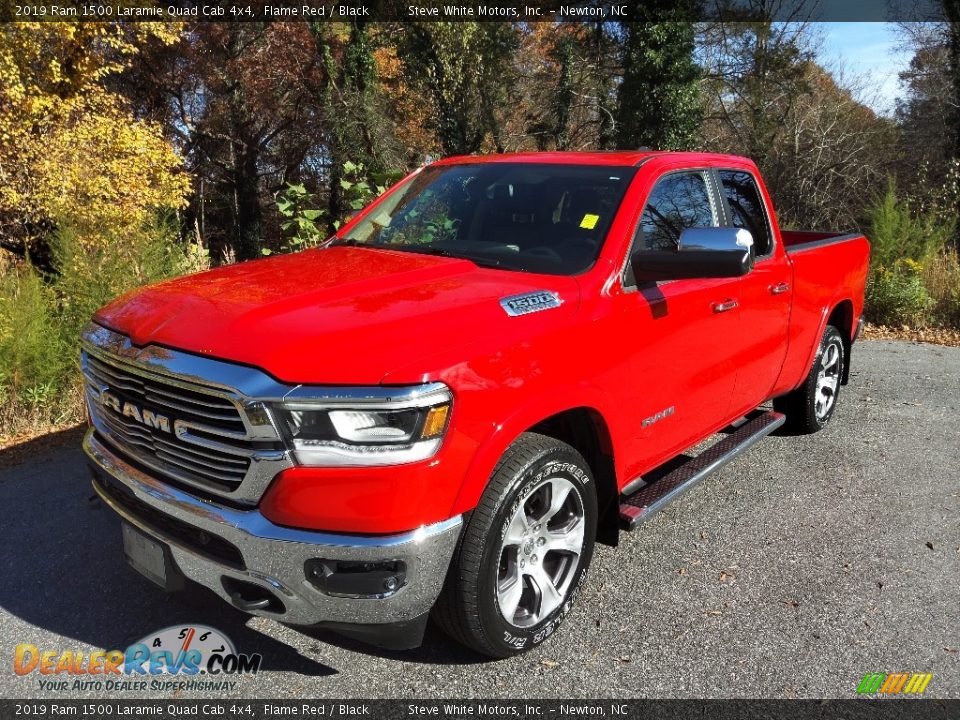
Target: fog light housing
<point x="339" y="578"/>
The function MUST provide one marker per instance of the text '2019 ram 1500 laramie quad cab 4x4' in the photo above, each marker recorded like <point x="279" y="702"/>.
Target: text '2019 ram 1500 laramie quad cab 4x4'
<point x="447" y="404"/>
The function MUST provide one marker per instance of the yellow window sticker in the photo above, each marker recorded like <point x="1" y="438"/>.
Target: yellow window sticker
<point x="589" y="221"/>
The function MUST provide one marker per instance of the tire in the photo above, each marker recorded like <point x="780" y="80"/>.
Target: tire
<point x="810" y="407"/>
<point x="516" y="544"/>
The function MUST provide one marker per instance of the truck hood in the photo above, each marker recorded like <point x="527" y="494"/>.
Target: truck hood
<point x="340" y="315"/>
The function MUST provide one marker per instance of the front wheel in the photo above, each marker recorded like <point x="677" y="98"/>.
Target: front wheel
<point x="525" y="550"/>
<point x="810" y="407"/>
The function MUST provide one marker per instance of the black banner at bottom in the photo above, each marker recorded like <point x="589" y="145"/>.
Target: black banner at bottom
<point x="448" y="709"/>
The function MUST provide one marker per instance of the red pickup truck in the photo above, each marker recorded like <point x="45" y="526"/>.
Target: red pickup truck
<point x="442" y="409"/>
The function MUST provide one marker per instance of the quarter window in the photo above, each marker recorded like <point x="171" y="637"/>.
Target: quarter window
<point x="678" y="201"/>
<point x="746" y="207"/>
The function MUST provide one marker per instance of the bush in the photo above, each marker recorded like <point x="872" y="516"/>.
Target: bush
<point x="897" y="232"/>
<point x="41" y="319"/>
<point x="941" y="276"/>
<point x="306" y="225"/>
<point x="35" y="363"/>
<point x="93" y="271"/>
<point x="897" y="295"/>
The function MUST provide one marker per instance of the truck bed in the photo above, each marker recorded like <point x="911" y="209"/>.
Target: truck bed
<point x="798" y="240"/>
<point x="827" y="268"/>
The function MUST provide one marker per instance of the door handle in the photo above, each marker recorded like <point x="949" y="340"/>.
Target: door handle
<point x="779" y="288"/>
<point x="724" y="306"/>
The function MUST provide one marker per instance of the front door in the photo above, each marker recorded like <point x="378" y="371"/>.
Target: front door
<point x="684" y="347"/>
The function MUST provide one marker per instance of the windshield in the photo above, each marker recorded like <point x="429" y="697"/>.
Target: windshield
<point x="542" y="218"/>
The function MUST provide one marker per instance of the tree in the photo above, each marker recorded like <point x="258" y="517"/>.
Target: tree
<point x="658" y="101"/>
<point x="463" y="70"/>
<point x="754" y="73"/>
<point x="71" y="150"/>
<point x="237" y="99"/>
<point x="822" y="152"/>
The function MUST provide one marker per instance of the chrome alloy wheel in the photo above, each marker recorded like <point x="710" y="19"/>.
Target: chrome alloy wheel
<point x="540" y="552"/>
<point x="828" y="379"/>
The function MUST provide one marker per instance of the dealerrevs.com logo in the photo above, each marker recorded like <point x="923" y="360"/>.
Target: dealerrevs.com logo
<point x="182" y="657"/>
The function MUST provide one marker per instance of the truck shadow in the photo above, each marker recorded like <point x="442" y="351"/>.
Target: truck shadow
<point x="437" y="648"/>
<point x="64" y="571"/>
<point x="65" y="574"/>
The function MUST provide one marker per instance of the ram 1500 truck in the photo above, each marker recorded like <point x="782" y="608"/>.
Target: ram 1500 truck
<point x="445" y="406"/>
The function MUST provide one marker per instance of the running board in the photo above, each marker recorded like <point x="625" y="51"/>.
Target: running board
<point x="648" y="500"/>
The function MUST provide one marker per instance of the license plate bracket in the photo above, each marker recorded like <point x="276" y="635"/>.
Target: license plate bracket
<point x="151" y="558"/>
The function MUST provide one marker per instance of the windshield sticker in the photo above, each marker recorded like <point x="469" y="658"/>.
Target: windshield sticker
<point x="589" y="221"/>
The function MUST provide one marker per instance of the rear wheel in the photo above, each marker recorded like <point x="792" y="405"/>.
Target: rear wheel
<point x="810" y="407"/>
<point x="524" y="552"/>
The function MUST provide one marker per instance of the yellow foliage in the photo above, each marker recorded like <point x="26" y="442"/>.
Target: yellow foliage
<point x="69" y="149"/>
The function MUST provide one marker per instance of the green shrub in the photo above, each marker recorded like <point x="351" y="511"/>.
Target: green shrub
<point x="898" y="232"/>
<point x="897" y="295"/>
<point x="35" y="363"/>
<point x="41" y="319"/>
<point x="306" y="226"/>
<point x="91" y="272"/>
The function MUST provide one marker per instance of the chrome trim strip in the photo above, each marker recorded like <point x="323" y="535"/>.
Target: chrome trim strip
<point x="374" y="398"/>
<point x="188" y="370"/>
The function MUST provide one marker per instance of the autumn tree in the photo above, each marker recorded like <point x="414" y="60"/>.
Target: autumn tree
<point x="71" y="150"/>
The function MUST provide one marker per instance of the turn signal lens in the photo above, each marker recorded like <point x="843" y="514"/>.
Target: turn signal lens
<point x="436" y="422"/>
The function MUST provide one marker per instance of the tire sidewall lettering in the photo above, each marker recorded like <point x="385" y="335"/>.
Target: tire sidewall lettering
<point x="517" y="639"/>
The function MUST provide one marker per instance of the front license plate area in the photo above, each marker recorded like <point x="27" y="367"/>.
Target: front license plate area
<point x="151" y="558"/>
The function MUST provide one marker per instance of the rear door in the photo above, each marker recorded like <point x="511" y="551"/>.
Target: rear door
<point x="765" y="294"/>
<point x="684" y="334"/>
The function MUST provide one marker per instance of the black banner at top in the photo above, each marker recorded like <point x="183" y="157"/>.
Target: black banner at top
<point x="470" y="10"/>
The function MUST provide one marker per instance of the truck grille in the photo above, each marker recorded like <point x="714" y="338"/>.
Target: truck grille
<point x="182" y="430"/>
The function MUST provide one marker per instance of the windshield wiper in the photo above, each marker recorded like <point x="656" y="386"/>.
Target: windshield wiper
<point x="443" y="252"/>
<point x="346" y="242"/>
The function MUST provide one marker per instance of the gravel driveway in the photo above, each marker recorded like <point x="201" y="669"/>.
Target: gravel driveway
<point x="792" y="572"/>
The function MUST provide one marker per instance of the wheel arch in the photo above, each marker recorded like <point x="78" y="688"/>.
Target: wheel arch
<point x="581" y="425"/>
<point x="585" y="430"/>
<point x="841" y="317"/>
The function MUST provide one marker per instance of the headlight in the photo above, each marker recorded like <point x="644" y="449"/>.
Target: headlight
<point x="375" y="432"/>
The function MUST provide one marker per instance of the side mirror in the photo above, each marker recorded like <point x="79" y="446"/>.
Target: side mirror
<point x="714" y="252"/>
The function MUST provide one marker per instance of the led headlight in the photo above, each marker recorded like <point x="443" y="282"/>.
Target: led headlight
<point x="375" y="432"/>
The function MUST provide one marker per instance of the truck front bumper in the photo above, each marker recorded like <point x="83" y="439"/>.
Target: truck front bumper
<point x="242" y="556"/>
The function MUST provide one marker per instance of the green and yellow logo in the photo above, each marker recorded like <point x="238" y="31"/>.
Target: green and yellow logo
<point x="894" y="683"/>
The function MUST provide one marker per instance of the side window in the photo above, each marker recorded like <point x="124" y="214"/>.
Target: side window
<point x="746" y="207"/>
<point x="678" y="201"/>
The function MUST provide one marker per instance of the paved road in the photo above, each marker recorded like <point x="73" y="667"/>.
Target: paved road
<point x="791" y="573"/>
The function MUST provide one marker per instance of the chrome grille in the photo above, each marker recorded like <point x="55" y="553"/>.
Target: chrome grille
<point x="185" y="432"/>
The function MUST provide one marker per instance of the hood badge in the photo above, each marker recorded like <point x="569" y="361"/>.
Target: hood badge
<point x="530" y="302"/>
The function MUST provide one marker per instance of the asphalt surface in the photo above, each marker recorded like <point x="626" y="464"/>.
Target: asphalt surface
<point x="792" y="572"/>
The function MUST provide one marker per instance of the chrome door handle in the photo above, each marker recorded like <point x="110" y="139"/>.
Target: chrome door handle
<point x="724" y="306"/>
<point x="779" y="288"/>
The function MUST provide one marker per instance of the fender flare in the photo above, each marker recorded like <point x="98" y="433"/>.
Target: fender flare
<point x="536" y="408"/>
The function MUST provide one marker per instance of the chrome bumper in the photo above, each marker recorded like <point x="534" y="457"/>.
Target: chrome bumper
<point x="274" y="556"/>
